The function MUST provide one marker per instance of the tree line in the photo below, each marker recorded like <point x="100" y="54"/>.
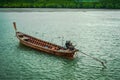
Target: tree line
<point x="112" y="4"/>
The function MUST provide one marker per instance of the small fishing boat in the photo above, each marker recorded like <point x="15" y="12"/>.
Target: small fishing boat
<point x="44" y="46"/>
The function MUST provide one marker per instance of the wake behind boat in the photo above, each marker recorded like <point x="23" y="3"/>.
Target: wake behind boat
<point x="50" y="48"/>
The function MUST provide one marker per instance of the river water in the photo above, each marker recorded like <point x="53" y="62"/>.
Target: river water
<point x="95" y="32"/>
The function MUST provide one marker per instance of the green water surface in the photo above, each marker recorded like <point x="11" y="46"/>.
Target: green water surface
<point x="95" y="32"/>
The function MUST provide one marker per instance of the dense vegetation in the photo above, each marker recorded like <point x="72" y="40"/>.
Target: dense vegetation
<point x="113" y="4"/>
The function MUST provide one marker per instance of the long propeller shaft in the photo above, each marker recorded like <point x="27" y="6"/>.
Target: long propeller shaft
<point x="94" y="59"/>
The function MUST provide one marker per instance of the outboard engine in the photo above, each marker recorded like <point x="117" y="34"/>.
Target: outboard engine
<point x="69" y="45"/>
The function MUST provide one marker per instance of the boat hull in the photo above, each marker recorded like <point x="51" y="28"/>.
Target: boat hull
<point x="69" y="55"/>
<point x="44" y="46"/>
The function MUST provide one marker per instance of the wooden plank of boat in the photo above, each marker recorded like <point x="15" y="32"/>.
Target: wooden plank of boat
<point x="44" y="46"/>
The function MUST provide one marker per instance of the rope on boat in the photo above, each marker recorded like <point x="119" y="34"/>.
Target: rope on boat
<point x="103" y="64"/>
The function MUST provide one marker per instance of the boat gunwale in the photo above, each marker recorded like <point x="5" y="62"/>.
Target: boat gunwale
<point x="57" y="51"/>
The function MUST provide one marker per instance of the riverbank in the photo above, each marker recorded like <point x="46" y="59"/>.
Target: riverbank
<point x="61" y="4"/>
<point x="52" y="10"/>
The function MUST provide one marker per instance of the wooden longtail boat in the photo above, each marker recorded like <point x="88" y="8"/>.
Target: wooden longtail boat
<point x="44" y="46"/>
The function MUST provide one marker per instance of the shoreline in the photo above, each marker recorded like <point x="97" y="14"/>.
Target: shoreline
<point x="53" y="9"/>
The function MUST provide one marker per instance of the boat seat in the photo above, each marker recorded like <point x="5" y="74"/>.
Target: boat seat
<point x="21" y="36"/>
<point x="25" y="38"/>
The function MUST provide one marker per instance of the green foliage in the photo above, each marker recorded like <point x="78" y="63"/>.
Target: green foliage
<point x="114" y="4"/>
<point x="88" y="5"/>
<point x="98" y="5"/>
